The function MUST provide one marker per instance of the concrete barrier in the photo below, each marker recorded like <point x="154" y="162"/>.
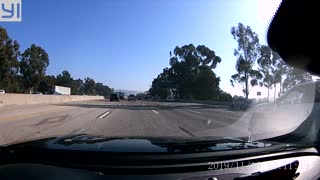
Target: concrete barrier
<point x="222" y="103"/>
<point x="9" y="98"/>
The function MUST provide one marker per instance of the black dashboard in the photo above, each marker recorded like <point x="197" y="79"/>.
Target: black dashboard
<point x="292" y="164"/>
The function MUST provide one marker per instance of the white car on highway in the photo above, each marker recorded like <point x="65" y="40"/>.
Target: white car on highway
<point x="132" y="97"/>
<point x="2" y="91"/>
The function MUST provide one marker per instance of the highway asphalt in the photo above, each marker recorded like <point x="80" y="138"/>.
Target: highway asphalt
<point x="124" y="118"/>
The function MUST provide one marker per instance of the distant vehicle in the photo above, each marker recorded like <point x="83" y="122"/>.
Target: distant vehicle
<point x="2" y="91"/>
<point x="49" y="92"/>
<point x="170" y="98"/>
<point x="155" y="98"/>
<point x="140" y="96"/>
<point x="37" y="93"/>
<point x="62" y="90"/>
<point x="147" y="97"/>
<point x="56" y="93"/>
<point x="241" y="103"/>
<point x="114" y="97"/>
<point x="132" y="97"/>
<point x="121" y="97"/>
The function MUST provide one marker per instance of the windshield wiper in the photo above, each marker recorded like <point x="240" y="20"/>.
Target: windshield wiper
<point x="209" y="144"/>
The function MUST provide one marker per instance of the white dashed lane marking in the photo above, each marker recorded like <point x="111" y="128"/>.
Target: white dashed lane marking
<point x="103" y="115"/>
<point x="194" y="111"/>
<point x="155" y="111"/>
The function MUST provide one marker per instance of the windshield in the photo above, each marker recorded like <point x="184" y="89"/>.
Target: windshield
<point x="165" y="69"/>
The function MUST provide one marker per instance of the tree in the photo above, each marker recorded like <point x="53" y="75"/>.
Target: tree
<point x="50" y="80"/>
<point x="64" y="79"/>
<point x="295" y="76"/>
<point x="224" y="96"/>
<point x="265" y="67"/>
<point x="162" y="84"/>
<point x="247" y="53"/>
<point x="191" y="67"/>
<point x="33" y="65"/>
<point x="29" y="73"/>
<point x="89" y="86"/>
<point x="286" y="75"/>
<point x="190" y="75"/>
<point x="99" y="88"/>
<point x="103" y="90"/>
<point x="46" y="85"/>
<point x="77" y="87"/>
<point x="279" y="71"/>
<point x="9" y="65"/>
<point x="206" y="85"/>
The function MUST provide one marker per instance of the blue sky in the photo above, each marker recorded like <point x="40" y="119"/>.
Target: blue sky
<point x="126" y="43"/>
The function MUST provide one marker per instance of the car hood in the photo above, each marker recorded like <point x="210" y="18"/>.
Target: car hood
<point x="85" y="142"/>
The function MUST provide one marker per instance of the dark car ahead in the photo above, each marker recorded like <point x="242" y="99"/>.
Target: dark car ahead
<point x="114" y="97"/>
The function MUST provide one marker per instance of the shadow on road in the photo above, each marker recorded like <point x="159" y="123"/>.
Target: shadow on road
<point x="164" y="106"/>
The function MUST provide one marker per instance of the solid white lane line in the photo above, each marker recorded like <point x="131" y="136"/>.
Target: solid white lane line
<point x="218" y="110"/>
<point x="103" y="115"/>
<point x="155" y="111"/>
<point x="194" y="111"/>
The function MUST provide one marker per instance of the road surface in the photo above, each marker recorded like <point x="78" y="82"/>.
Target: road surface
<point x="134" y="118"/>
